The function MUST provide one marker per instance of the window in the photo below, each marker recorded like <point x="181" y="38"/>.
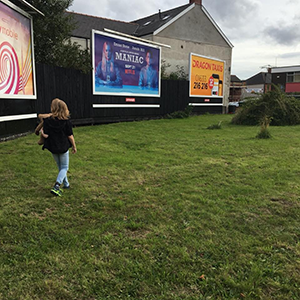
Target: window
<point x="293" y="77"/>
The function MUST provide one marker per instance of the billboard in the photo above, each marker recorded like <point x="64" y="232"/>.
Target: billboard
<point x="124" y="67"/>
<point x="17" y="74"/>
<point x="206" y="76"/>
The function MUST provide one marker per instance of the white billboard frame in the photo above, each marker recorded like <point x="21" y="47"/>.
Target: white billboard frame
<point x="20" y="96"/>
<point x="190" y="74"/>
<point x="126" y="39"/>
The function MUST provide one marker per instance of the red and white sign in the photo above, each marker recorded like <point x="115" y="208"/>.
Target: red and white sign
<point x="130" y="99"/>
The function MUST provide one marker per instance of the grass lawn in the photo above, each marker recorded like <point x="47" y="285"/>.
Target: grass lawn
<point x="163" y="209"/>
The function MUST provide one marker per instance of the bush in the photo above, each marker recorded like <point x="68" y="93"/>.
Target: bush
<point x="181" y="114"/>
<point x="282" y="109"/>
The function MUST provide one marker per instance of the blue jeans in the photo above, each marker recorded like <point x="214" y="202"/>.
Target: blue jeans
<point x="62" y="161"/>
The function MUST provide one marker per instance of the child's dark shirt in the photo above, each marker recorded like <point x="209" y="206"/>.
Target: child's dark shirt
<point x="58" y="131"/>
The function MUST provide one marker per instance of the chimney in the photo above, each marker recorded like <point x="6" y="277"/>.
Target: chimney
<point x="159" y="14"/>
<point x="199" y="2"/>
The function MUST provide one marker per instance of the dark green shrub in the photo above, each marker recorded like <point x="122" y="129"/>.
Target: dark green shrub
<point x="283" y="109"/>
<point x="181" y="114"/>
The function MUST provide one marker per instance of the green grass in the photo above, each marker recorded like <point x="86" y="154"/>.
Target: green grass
<point x="162" y="209"/>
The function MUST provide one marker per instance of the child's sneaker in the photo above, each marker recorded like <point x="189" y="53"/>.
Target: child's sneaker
<point x="66" y="187"/>
<point x="56" y="190"/>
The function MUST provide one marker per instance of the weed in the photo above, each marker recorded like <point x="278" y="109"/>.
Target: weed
<point x="264" y="128"/>
<point x="215" y="126"/>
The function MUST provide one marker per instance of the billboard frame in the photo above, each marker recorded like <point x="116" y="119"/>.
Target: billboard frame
<point x="206" y="96"/>
<point x="19" y="96"/>
<point x="119" y="37"/>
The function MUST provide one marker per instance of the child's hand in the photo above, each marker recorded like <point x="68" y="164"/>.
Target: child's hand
<point x="43" y="134"/>
<point x="74" y="150"/>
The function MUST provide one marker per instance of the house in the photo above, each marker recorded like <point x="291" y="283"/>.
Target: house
<point x="187" y="29"/>
<point x="288" y="78"/>
<point x="258" y="83"/>
<point x="236" y="89"/>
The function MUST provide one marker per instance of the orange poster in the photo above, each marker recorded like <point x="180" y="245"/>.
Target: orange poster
<point x="206" y="77"/>
<point x="16" y="55"/>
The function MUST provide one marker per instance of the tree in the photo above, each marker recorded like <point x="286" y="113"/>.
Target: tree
<point x="52" y="34"/>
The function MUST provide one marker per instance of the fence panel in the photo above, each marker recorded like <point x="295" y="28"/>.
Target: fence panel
<point x="75" y="88"/>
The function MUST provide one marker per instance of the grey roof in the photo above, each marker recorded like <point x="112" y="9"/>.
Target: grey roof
<point x="148" y="25"/>
<point x="234" y="78"/>
<point x="137" y="27"/>
<point x="87" y="23"/>
<point x="259" y="78"/>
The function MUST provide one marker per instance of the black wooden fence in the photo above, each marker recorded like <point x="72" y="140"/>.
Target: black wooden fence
<point x="75" y="88"/>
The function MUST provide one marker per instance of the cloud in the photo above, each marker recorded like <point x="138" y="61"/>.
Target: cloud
<point x="123" y="10"/>
<point x="290" y="55"/>
<point x="285" y="35"/>
<point x="234" y="16"/>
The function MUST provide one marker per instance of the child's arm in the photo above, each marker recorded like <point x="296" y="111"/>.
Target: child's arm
<point x="43" y="116"/>
<point x="72" y="140"/>
<point x="43" y="134"/>
<point x="38" y="128"/>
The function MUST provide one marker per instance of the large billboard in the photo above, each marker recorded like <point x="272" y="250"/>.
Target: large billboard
<point x="206" y="76"/>
<point x="17" y="74"/>
<point x="124" y="67"/>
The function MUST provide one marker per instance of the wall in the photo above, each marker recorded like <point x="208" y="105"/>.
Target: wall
<point x="279" y="79"/>
<point x="292" y="87"/>
<point x="194" y="33"/>
<point x="75" y="88"/>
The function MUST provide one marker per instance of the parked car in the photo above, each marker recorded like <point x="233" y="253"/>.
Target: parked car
<point x="232" y="106"/>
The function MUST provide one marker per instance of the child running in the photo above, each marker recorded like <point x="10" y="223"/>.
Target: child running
<point x="58" y="134"/>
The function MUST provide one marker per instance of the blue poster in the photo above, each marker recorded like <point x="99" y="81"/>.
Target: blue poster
<point x="125" y="67"/>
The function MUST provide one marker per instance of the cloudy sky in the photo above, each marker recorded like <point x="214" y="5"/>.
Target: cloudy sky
<point x="263" y="32"/>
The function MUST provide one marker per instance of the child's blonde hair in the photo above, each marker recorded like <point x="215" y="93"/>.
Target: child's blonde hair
<point x="59" y="109"/>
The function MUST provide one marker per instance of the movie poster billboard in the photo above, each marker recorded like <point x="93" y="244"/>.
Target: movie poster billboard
<point x="206" y="76"/>
<point x="124" y="67"/>
<point x="17" y="74"/>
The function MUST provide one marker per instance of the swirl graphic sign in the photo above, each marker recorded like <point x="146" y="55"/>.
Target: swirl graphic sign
<point x="17" y="74"/>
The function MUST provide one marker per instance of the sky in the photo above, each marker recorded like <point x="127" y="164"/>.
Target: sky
<point x="263" y="32"/>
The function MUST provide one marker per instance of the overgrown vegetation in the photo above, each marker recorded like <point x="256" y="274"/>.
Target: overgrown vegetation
<point x="162" y="209"/>
<point x="179" y="74"/>
<point x="181" y="114"/>
<point x="283" y="109"/>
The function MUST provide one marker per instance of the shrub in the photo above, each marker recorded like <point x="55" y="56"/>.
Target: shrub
<point x="181" y="114"/>
<point x="179" y="74"/>
<point x="283" y="109"/>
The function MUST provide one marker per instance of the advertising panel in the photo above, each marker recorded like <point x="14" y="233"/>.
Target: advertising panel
<point x="124" y="67"/>
<point x="206" y="76"/>
<point x="17" y="76"/>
